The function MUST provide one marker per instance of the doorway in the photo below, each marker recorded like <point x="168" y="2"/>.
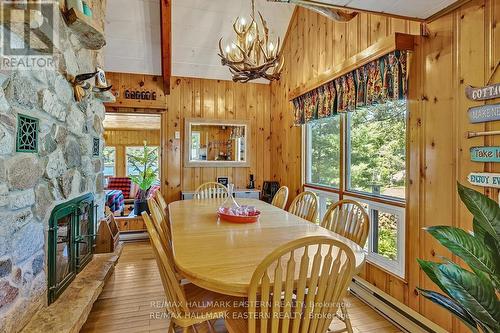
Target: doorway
<point x="132" y="145"/>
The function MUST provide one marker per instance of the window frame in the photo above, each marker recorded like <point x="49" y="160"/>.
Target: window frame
<point x="127" y="163"/>
<point x="114" y="162"/>
<point x="198" y="134"/>
<point x="346" y="167"/>
<point x="308" y="162"/>
<point x="393" y="205"/>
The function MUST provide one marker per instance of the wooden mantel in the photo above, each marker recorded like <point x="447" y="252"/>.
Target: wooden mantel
<point x="397" y="41"/>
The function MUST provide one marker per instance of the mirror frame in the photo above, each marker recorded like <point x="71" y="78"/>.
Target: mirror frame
<point x="188" y="163"/>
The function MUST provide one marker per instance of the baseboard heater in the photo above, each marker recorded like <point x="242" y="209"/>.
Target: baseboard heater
<point x="393" y="310"/>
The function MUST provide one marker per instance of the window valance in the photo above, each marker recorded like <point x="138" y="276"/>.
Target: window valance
<point x="379" y="81"/>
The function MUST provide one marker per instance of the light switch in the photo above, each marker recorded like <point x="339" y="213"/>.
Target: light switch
<point x="177" y="135"/>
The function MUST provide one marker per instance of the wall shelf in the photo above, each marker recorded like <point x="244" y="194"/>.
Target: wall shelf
<point x="396" y="41"/>
<point x="85" y="28"/>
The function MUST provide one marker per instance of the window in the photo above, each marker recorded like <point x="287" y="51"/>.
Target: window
<point x="386" y="242"/>
<point x="376" y="150"/>
<point x="139" y="151"/>
<point x="323" y="152"/>
<point x="374" y="173"/>
<point x="196" y="145"/>
<point x="109" y="161"/>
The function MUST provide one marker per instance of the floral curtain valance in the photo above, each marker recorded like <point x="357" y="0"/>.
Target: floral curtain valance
<point x="379" y="81"/>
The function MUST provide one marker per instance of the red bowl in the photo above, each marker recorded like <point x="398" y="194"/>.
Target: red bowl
<point x="239" y="218"/>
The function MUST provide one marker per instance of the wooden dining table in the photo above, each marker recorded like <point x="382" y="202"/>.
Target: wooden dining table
<point x="222" y="256"/>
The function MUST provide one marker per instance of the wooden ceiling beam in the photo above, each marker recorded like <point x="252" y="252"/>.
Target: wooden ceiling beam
<point x="166" y="43"/>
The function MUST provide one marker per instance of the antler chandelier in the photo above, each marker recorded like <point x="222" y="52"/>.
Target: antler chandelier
<point x="252" y="55"/>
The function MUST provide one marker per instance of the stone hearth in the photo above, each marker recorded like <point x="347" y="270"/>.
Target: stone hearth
<point x="70" y="311"/>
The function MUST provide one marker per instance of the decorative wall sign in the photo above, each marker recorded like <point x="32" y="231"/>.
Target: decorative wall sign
<point x="484" y="93"/>
<point x="138" y="91"/>
<point x="485" y="154"/>
<point x="484" y="179"/>
<point x="144" y="95"/>
<point x="27" y="134"/>
<point x="484" y="113"/>
<point x="223" y="180"/>
<point x="95" y="147"/>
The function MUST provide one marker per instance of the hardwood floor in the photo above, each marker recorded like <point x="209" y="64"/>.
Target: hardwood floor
<point x="130" y="301"/>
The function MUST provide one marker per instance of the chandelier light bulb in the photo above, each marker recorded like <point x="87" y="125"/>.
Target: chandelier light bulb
<point x="252" y="55"/>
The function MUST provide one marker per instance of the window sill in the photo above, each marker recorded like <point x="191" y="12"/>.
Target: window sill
<point x="380" y="199"/>
<point x="386" y="271"/>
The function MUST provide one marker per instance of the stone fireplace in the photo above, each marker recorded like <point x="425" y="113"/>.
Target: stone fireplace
<point x="70" y="242"/>
<point x="39" y="180"/>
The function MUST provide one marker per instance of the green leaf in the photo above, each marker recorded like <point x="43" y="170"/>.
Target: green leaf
<point x="428" y="267"/>
<point x="479" y="231"/>
<point x="486" y="211"/>
<point x="451" y="306"/>
<point x="466" y="246"/>
<point x="474" y="293"/>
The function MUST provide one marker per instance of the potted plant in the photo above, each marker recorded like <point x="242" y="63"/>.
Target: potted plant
<point x="145" y="175"/>
<point x="469" y="294"/>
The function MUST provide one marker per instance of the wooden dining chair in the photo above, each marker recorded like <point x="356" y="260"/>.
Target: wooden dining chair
<point x="211" y="190"/>
<point x="280" y="198"/>
<point x="349" y="219"/>
<point x="187" y="305"/>
<point x="160" y="222"/>
<point x="161" y="202"/>
<point x="296" y="288"/>
<point x="305" y="205"/>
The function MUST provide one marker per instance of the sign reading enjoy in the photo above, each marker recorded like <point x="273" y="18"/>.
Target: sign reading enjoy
<point x="484" y="93"/>
<point x="484" y="179"/>
<point x="484" y="113"/>
<point x="485" y="154"/>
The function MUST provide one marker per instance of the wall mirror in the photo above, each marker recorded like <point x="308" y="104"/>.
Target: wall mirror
<point x="216" y="143"/>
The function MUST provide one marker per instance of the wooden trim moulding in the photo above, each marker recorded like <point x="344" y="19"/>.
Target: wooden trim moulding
<point x="166" y="44"/>
<point x="396" y="41"/>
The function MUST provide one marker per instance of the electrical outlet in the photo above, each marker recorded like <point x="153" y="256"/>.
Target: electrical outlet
<point x="177" y="135"/>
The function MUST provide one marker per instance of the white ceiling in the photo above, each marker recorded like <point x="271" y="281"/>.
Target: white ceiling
<point x="421" y="9"/>
<point x="134" y="36"/>
<point x="197" y="26"/>
<point x="132" y="121"/>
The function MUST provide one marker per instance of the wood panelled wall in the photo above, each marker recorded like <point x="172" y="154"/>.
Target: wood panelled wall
<point x="123" y="138"/>
<point x="213" y="99"/>
<point x="462" y="48"/>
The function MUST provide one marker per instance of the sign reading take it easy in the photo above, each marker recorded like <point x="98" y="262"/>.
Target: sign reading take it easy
<point x="485" y="154"/>
<point x="484" y="179"/>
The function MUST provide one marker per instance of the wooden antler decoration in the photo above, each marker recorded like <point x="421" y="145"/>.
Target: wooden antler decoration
<point x="252" y="56"/>
<point x="326" y="10"/>
<point x="81" y="85"/>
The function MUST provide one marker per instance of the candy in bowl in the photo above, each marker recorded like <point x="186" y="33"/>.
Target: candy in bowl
<point x="239" y="214"/>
